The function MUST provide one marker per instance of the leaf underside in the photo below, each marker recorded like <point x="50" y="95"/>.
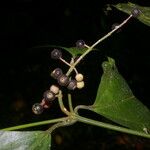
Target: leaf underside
<point x="116" y="101"/>
<point x="25" y="140"/>
<point x="74" y="51"/>
<point x="144" y="17"/>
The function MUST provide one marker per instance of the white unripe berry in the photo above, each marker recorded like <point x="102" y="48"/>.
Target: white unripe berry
<point x="80" y="84"/>
<point x="54" y="89"/>
<point x="79" y="77"/>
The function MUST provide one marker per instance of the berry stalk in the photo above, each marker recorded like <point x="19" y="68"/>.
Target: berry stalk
<point x="96" y="43"/>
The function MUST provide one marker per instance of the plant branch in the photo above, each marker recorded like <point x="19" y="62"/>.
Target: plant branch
<point x="61" y="104"/>
<point x="34" y="124"/>
<point x="70" y="120"/>
<point x="70" y="103"/>
<point x="96" y="43"/>
<point x="68" y="64"/>
<point x="81" y="107"/>
<point x="112" y="127"/>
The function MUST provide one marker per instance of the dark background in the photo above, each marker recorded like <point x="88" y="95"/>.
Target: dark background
<point x="25" y="70"/>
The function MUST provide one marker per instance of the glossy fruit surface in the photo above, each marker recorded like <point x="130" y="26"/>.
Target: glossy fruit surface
<point x="56" y="54"/>
<point x="80" y="44"/>
<point x="72" y="84"/>
<point x="79" y="77"/>
<point x="37" y="108"/>
<point x="56" y="73"/>
<point x="80" y="85"/>
<point x="63" y="80"/>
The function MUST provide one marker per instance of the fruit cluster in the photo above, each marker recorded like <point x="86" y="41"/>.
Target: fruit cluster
<point x="62" y="80"/>
<point x="48" y="97"/>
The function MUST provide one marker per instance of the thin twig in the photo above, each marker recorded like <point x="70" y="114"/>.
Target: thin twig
<point x="70" y="120"/>
<point x="65" y="62"/>
<point x="76" y="109"/>
<point x="111" y="127"/>
<point x="61" y="104"/>
<point x="34" y="124"/>
<point x="96" y="43"/>
<point x="70" y="103"/>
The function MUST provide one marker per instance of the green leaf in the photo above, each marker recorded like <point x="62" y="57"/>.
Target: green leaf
<point x="144" y="17"/>
<point x="25" y="140"/>
<point x="116" y="101"/>
<point x="74" y="51"/>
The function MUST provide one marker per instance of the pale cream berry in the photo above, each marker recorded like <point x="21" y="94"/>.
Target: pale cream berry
<point x="79" y="77"/>
<point x="54" y="89"/>
<point x="80" y="84"/>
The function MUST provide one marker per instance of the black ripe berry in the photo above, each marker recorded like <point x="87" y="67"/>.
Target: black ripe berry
<point x="56" y="54"/>
<point x="37" y="108"/>
<point x="49" y="96"/>
<point x="72" y="84"/>
<point x="80" y="44"/>
<point x="56" y="73"/>
<point x="135" y="12"/>
<point x="63" y="80"/>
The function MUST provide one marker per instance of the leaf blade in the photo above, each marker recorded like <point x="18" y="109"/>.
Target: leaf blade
<point x="116" y="101"/>
<point x="22" y="140"/>
<point x="144" y="17"/>
<point x="74" y="51"/>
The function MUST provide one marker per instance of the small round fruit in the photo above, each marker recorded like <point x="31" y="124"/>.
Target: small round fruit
<point x="56" y="73"/>
<point x="56" y="54"/>
<point x="72" y="84"/>
<point x="80" y="85"/>
<point x="49" y="95"/>
<point x="79" y="77"/>
<point x="80" y="44"/>
<point x="37" y="108"/>
<point x="135" y="12"/>
<point x="63" y="80"/>
<point x="54" y="89"/>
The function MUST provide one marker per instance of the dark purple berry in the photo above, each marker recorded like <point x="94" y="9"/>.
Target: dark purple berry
<point x="49" y="96"/>
<point x="63" y="80"/>
<point x="72" y="84"/>
<point x="37" y="108"/>
<point x="80" y="44"/>
<point x="56" y="73"/>
<point x="135" y="12"/>
<point x="56" y="54"/>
